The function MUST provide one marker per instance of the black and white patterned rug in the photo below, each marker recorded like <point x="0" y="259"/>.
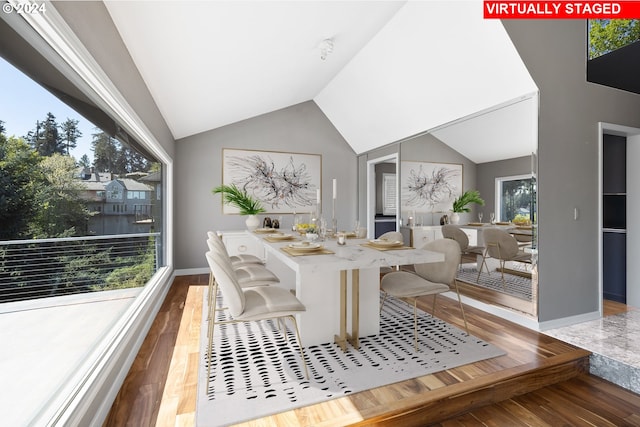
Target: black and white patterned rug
<point x="256" y="369"/>
<point x="514" y="285"/>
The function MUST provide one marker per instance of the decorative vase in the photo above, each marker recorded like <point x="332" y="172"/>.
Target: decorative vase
<point x="252" y="222"/>
<point x="312" y="237"/>
<point x="454" y="218"/>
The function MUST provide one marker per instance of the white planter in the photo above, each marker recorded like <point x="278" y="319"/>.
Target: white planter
<point x="252" y="222"/>
<point x="454" y="218"/>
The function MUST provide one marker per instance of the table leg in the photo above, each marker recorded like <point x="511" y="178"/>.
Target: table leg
<point x="354" y="338"/>
<point x="341" y="339"/>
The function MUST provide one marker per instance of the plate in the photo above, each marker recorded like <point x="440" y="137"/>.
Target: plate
<point x="264" y="230"/>
<point x="280" y="236"/>
<point x="476" y="224"/>
<point x="385" y="243"/>
<point x="305" y="246"/>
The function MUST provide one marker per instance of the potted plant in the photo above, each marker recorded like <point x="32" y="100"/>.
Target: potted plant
<point x="461" y="204"/>
<point x="247" y="205"/>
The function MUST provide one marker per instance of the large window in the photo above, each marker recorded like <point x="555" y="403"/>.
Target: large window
<point x="515" y="198"/>
<point x="92" y="275"/>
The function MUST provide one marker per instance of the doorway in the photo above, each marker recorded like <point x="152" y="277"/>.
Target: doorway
<point x="378" y="212"/>
<point x="619" y="148"/>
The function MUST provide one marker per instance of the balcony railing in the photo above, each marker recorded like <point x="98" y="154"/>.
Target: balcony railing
<point x="31" y="269"/>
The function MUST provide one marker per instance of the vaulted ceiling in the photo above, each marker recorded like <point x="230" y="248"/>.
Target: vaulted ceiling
<point x="397" y="68"/>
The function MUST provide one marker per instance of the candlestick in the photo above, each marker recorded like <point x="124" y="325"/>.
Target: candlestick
<point x="335" y="189"/>
<point x="318" y="196"/>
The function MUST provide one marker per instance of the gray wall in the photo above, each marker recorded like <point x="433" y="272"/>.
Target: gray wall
<point x="487" y="174"/>
<point x="301" y="128"/>
<point x="554" y="51"/>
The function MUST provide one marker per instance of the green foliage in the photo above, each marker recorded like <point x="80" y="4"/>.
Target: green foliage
<point x="111" y="156"/>
<point x="70" y="134"/>
<point x="131" y="276"/>
<point x="461" y="204"/>
<point x="606" y="35"/>
<point x="19" y="180"/>
<point x="62" y="212"/>
<point x="232" y="195"/>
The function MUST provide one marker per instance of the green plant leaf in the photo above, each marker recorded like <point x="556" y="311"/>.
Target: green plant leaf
<point x="461" y="204"/>
<point x="232" y="195"/>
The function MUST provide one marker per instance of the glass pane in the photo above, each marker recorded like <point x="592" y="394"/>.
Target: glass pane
<point x="517" y="200"/>
<point x="607" y="35"/>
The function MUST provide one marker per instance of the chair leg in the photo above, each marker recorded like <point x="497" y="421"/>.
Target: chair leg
<point x="502" y="265"/>
<point x="384" y="298"/>
<point x="433" y="309"/>
<point x="415" y="324"/>
<point x="464" y="318"/>
<point x="304" y="361"/>
<point x="482" y="265"/>
<point x="210" y="326"/>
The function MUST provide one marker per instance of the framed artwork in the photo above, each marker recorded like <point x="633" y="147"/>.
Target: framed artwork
<point x="430" y="187"/>
<point x="283" y="182"/>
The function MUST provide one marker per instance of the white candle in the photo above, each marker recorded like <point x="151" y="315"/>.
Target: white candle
<point x="318" y="196"/>
<point x="335" y="188"/>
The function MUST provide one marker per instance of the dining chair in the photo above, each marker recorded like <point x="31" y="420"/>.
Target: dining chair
<point x="428" y="279"/>
<point x="247" y="274"/>
<point x="237" y="260"/>
<point x="469" y="254"/>
<point x="391" y="236"/>
<point x="504" y="247"/>
<point x="250" y="305"/>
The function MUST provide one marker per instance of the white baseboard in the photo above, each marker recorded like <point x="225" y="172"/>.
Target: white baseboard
<point x="191" y="271"/>
<point x="571" y="320"/>
<point x="509" y="315"/>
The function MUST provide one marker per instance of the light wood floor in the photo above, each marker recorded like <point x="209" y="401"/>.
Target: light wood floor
<point x="510" y="390"/>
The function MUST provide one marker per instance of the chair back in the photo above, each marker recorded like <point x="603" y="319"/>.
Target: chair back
<point x="445" y="271"/>
<point x="392" y="236"/>
<point x="231" y="291"/>
<point x="450" y="231"/>
<point x="500" y="244"/>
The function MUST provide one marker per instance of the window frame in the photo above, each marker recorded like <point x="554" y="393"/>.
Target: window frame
<point x="498" y="192"/>
<point x="85" y="398"/>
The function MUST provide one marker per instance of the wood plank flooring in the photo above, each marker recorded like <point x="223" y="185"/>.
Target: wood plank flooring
<point x="161" y="387"/>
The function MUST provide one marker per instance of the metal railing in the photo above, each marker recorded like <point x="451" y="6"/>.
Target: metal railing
<point x="42" y="268"/>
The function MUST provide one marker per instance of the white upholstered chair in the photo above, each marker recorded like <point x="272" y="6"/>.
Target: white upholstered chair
<point x="247" y="274"/>
<point x="236" y="260"/>
<point x="428" y="279"/>
<point x="250" y="304"/>
<point x="504" y="247"/>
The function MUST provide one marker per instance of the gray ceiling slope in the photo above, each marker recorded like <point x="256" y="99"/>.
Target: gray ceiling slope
<point x="397" y="68"/>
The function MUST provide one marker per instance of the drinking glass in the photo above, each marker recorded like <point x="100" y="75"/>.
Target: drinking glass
<point x="480" y="216"/>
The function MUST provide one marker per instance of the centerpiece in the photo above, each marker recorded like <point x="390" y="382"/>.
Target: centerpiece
<point x="247" y="205"/>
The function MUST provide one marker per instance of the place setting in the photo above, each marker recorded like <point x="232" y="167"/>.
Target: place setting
<point x="306" y="248"/>
<point x="385" y="244"/>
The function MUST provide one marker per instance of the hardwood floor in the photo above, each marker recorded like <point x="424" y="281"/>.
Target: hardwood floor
<point x="510" y="390"/>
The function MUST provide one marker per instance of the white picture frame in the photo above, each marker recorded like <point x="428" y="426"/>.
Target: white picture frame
<point x="430" y="187"/>
<point x="283" y="182"/>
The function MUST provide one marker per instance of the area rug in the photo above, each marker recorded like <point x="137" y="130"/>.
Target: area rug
<point x="514" y="285"/>
<point x="257" y="369"/>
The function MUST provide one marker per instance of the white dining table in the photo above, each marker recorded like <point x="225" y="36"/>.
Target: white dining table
<point x="325" y="283"/>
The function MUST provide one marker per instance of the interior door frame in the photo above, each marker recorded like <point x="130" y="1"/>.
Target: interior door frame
<point x="633" y="236"/>
<point x="371" y="190"/>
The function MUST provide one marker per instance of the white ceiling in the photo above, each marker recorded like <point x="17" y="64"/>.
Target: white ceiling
<point x="397" y="69"/>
